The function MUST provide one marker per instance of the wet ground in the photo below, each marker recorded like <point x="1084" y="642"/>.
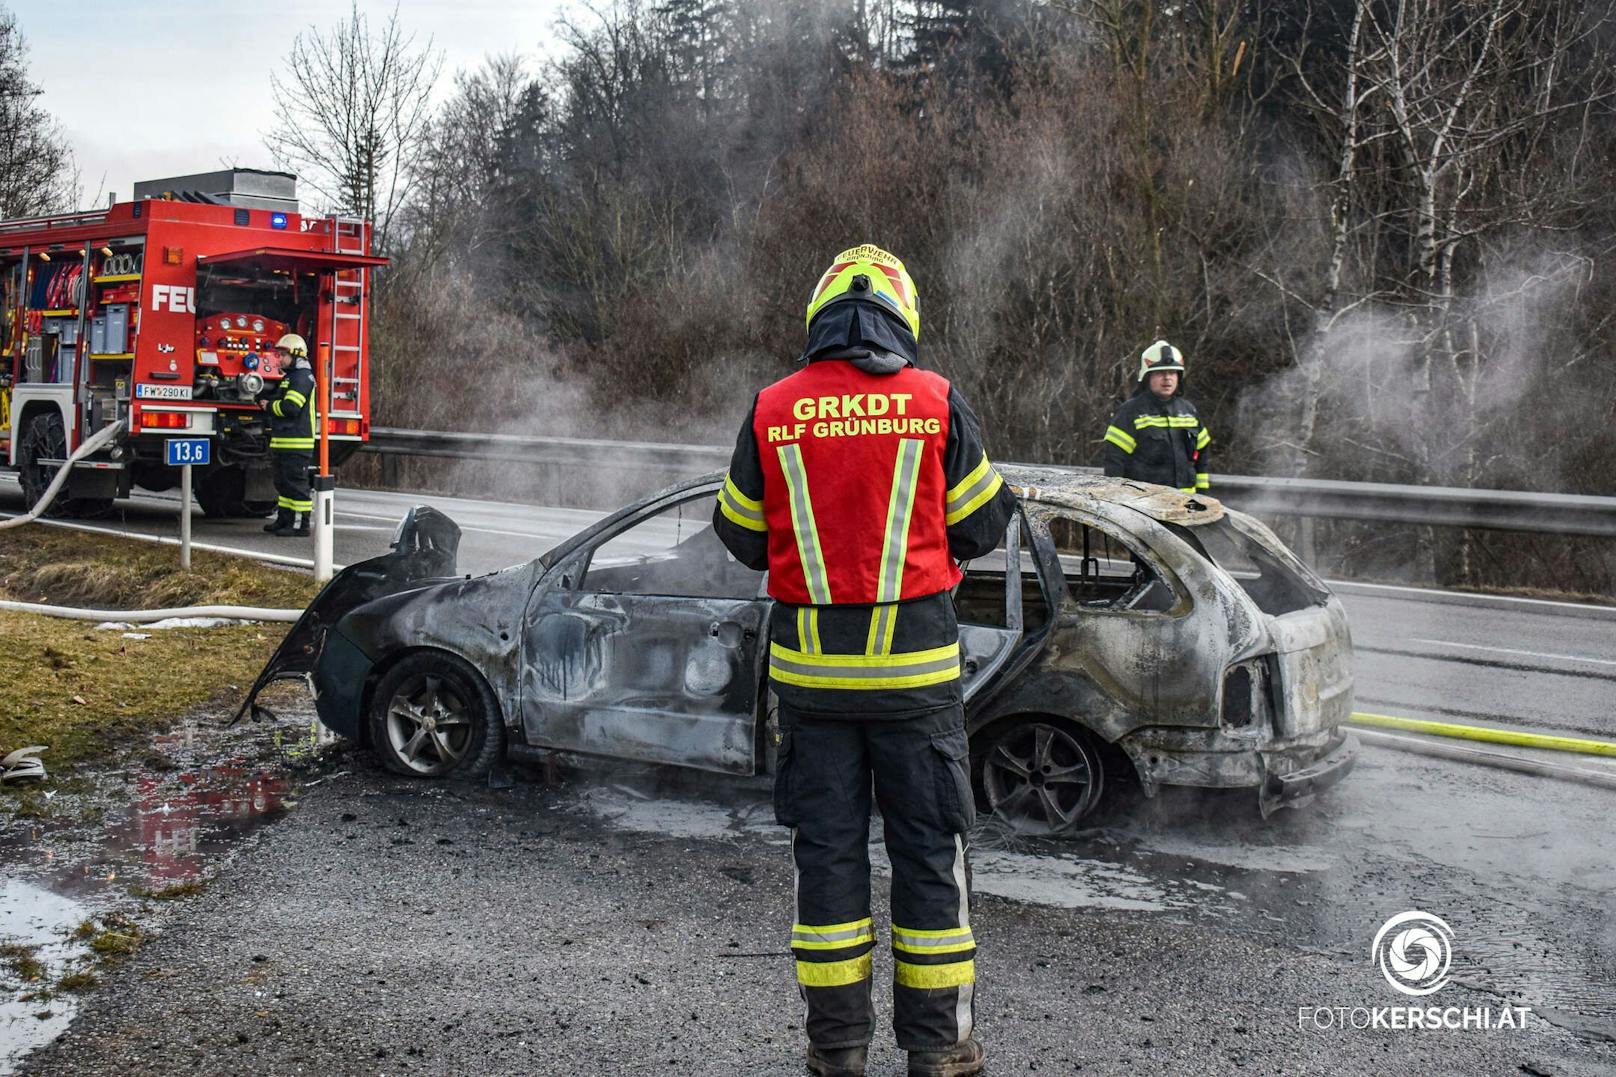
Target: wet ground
<point x="123" y="843"/>
<point x="629" y="920"/>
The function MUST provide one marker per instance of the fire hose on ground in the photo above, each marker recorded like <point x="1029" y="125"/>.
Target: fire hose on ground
<point x="92" y="444"/>
<point x="97" y="441"/>
<point x="240" y="613"/>
<point x="1516" y="738"/>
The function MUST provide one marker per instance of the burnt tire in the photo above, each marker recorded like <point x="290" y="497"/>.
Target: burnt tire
<point x="433" y="716"/>
<point x="45" y="438"/>
<point x="222" y="496"/>
<point x="219" y="493"/>
<point x="1038" y="774"/>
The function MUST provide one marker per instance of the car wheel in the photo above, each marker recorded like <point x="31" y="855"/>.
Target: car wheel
<point x="45" y="438"/>
<point x="219" y="492"/>
<point x="432" y="716"/>
<point x="1040" y="775"/>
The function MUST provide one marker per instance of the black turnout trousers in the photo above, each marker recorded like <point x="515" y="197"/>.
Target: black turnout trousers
<point x="918" y="769"/>
<point x="292" y="481"/>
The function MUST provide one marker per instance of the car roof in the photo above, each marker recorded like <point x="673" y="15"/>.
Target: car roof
<point x="1063" y="487"/>
<point x="1080" y="490"/>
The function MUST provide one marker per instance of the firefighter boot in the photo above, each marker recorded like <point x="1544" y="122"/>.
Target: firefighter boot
<point x="282" y="523"/>
<point x="836" y="1061"/>
<point x="961" y="1060"/>
<point x="302" y="528"/>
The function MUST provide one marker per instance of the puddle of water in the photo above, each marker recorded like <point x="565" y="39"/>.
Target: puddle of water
<point x="1065" y="881"/>
<point x="1077" y="883"/>
<point x="631" y="809"/>
<point x="1324" y="880"/>
<point x="163" y="822"/>
<point x="1247" y="857"/>
<point x="34" y="917"/>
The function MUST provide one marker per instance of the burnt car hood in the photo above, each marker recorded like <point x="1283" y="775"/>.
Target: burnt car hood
<point x="423" y="552"/>
<point x="476" y="617"/>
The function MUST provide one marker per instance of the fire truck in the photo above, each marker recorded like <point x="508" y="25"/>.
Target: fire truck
<point x="163" y="312"/>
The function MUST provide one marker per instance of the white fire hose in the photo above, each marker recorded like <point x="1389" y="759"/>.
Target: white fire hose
<point x="240" y="613"/>
<point x="94" y="443"/>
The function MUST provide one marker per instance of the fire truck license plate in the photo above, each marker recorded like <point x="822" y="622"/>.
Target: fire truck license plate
<point x="163" y="392"/>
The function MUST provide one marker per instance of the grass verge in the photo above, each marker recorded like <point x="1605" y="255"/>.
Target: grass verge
<point x="85" y="691"/>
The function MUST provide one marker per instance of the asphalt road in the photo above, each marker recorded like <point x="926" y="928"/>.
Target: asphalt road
<point x="1496" y="661"/>
<point x="633" y="921"/>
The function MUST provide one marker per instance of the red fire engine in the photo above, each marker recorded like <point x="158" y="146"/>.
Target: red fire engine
<point x="164" y="311"/>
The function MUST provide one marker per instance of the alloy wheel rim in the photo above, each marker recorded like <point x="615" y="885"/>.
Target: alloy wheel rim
<point x="1040" y="778"/>
<point x="428" y="725"/>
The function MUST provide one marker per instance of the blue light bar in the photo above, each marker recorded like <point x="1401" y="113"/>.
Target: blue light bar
<point x="277" y="220"/>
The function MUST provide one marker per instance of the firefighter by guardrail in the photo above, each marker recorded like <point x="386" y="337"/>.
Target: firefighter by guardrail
<point x="1158" y="435"/>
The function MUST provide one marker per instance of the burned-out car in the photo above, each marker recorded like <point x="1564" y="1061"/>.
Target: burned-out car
<point x="1121" y="630"/>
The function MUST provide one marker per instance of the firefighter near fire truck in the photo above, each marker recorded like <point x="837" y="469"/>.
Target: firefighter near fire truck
<point x="1157" y="435"/>
<point x="858" y="482"/>
<point x="157" y="318"/>
<point x="293" y="431"/>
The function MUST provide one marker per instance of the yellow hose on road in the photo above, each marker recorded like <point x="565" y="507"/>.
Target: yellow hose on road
<point x="1486" y="733"/>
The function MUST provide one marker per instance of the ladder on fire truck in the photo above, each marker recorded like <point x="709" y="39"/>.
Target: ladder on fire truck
<point x="351" y="303"/>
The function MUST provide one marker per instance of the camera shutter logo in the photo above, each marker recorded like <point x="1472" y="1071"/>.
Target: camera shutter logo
<point x="1414" y="950"/>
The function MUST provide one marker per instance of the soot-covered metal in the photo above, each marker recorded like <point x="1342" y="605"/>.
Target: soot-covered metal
<point x="1120" y="627"/>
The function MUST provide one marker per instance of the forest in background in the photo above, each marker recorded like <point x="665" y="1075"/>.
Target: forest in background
<point x="1380" y="230"/>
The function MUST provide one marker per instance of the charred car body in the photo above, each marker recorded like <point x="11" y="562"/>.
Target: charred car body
<point x="1122" y="629"/>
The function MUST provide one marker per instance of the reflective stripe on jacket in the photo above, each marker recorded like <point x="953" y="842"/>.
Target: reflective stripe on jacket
<point x="1159" y="441"/>
<point x="293" y="420"/>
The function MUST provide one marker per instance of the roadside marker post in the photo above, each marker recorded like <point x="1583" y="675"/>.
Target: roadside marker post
<point x="182" y="453"/>
<point x="324" y="484"/>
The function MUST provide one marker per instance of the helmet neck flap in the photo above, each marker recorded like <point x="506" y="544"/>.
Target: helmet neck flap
<point x="860" y="330"/>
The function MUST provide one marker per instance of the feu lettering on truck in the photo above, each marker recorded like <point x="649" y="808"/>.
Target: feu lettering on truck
<point x="175" y="297"/>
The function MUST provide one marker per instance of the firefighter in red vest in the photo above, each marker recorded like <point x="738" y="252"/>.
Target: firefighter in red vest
<point x="859" y="482"/>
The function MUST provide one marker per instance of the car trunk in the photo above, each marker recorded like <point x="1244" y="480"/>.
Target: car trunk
<point x="1313" y="656"/>
<point x="1310" y="666"/>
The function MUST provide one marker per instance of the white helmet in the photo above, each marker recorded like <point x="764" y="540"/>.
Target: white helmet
<point x="294" y="345"/>
<point x="1158" y="357"/>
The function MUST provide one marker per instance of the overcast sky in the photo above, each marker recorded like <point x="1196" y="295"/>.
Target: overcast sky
<point x="155" y="88"/>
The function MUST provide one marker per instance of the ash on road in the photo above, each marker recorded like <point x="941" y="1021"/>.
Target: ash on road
<point x="601" y="927"/>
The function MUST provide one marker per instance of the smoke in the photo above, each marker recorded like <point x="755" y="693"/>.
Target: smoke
<point x="1402" y="394"/>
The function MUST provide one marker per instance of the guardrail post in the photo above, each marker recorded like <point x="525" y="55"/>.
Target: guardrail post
<point x="1306" y="544"/>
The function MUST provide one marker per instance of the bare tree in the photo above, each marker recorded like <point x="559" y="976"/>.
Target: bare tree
<point x="36" y="166"/>
<point x="1444" y="119"/>
<point x="357" y="109"/>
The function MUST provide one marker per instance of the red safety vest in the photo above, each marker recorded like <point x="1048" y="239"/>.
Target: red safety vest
<point x="853" y="485"/>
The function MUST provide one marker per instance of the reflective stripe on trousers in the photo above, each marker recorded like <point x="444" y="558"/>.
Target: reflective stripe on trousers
<point x="823" y="788"/>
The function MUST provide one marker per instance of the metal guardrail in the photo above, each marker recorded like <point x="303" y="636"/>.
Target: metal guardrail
<point x="1441" y="506"/>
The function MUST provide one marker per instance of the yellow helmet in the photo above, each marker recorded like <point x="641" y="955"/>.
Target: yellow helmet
<point x="1158" y="357"/>
<point x="294" y="344"/>
<point x="868" y="272"/>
